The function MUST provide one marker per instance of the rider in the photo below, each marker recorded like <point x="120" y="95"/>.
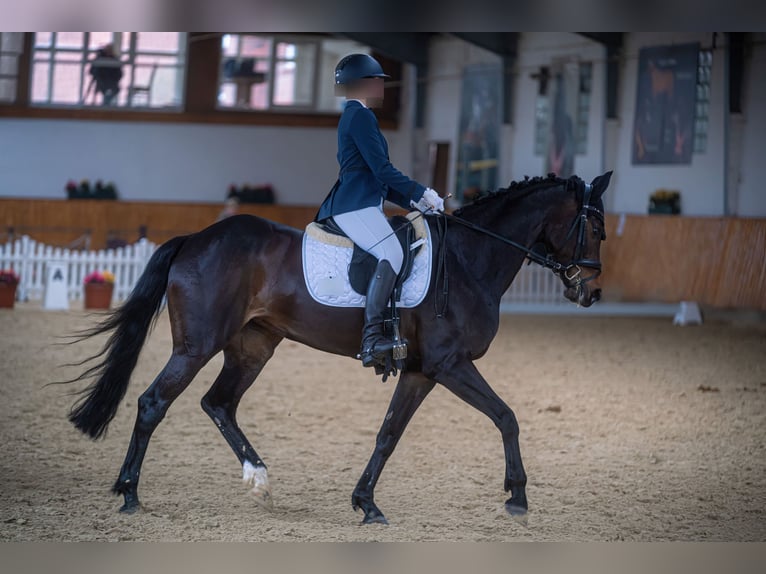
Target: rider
<point x="366" y="179"/>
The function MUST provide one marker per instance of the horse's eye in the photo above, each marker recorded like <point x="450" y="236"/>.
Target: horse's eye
<point x="600" y="233"/>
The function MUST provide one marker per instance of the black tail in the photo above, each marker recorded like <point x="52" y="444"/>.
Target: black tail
<point x="131" y="323"/>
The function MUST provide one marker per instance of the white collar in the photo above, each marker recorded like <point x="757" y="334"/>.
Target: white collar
<point x="355" y="100"/>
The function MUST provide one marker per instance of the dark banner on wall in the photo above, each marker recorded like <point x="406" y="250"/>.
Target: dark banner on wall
<point x="663" y="131"/>
<point x="480" y="119"/>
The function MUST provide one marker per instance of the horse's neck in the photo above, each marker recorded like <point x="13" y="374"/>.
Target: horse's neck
<point x="493" y="262"/>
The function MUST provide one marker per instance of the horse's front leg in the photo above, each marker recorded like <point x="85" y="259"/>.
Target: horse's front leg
<point x="463" y="379"/>
<point x="410" y="391"/>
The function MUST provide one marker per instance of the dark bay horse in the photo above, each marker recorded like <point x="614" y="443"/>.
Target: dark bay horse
<point x="237" y="287"/>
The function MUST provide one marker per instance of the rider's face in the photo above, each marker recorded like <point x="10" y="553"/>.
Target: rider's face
<point x="370" y="89"/>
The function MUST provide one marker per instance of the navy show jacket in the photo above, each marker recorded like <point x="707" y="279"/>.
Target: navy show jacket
<point x="366" y="174"/>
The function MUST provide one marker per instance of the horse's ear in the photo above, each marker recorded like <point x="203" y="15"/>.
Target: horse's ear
<point x="600" y="183"/>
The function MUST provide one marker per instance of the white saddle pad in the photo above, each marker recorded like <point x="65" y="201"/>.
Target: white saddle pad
<point x="326" y="258"/>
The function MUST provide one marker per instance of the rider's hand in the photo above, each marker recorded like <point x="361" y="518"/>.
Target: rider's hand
<point x="434" y="199"/>
<point x="430" y="201"/>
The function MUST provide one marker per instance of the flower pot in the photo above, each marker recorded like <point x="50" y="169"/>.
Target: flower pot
<point x="7" y="295"/>
<point x="98" y="295"/>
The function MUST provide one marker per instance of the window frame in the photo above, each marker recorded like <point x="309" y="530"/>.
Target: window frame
<point x="311" y="39"/>
<point x="316" y="42"/>
<point x="203" y="57"/>
<point x="127" y="58"/>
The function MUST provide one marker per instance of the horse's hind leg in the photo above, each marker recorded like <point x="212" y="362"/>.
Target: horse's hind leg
<point x="244" y="357"/>
<point x="152" y="406"/>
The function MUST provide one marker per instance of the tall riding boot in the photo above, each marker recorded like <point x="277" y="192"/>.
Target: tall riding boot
<point x="375" y="344"/>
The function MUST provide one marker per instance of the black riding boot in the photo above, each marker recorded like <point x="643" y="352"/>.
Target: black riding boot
<point x="375" y="344"/>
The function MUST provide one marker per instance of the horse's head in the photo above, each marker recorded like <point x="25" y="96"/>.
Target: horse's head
<point x="572" y="236"/>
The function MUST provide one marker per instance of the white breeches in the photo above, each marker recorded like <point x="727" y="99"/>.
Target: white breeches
<point x="367" y="228"/>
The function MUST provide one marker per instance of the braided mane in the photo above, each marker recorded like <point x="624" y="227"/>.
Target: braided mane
<point x="519" y="189"/>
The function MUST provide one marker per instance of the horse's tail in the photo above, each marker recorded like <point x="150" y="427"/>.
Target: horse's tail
<point x="130" y="323"/>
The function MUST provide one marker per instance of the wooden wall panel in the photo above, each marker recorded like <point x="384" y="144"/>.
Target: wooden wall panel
<point x="60" y="221"/>
<point x="714" y="261"/>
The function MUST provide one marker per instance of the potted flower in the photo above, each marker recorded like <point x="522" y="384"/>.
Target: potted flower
<point x="665" y="201"/>
<point x="110" y="190"/>
<point x="72" y="191"/>
<point x="99" y="287"/>
<point x="9" y="280"/>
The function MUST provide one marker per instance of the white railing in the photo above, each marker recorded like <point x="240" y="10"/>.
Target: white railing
<point x="534" y="288"/>
<point x="29" y="258"/>
<point x="535" y="285"/>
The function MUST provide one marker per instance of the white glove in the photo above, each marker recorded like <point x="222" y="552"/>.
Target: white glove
<point x="429" y="201"/>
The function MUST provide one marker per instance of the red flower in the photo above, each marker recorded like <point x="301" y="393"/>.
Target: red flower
<point x="9" y="276"/>
<point x="99" y="277"/>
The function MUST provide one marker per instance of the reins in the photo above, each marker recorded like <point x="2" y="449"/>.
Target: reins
<point x="531" y="255"/>
<point x="570" y="273"/>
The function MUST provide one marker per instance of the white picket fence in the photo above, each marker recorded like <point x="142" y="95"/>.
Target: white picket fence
<point x="535" y="285"/>
<point x="29" y="258"/>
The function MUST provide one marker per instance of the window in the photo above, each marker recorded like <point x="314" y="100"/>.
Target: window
<point x="291" y="73"/>
<point x="702" y="105"/>
<point x="246" y="66"/>
<point x="11" y="46"/>
<point x="152" y="66"/>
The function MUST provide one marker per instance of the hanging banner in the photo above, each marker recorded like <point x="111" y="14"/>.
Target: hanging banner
<point x="663" y="130"/>
<point x="480" y="118"/>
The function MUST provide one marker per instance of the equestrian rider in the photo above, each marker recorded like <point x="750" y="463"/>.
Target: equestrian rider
<point x="366" y="179"/>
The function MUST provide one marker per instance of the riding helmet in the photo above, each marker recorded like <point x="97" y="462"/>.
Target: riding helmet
<point x="357" y="66"/>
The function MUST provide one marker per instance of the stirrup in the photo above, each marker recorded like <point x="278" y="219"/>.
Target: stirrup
<point x="377" y="354"/>
<point x="388" y="363"/>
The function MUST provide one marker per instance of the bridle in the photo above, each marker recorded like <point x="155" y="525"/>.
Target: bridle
<point x="579" y="225"/>
<point x="570" y="273"/>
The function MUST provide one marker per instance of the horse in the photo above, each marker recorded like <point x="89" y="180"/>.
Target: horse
<point x="258" y="297"/>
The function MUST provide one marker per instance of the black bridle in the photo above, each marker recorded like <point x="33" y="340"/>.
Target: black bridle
<point x="570" y="273"/>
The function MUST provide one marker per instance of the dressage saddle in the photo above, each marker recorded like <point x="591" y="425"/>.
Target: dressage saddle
<point x="363" y="264"/>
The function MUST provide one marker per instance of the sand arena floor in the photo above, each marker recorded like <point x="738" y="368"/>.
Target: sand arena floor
<point x="631" y="429"/>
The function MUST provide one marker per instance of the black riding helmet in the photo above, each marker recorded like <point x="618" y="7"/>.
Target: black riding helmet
<point x="357" y="66"/>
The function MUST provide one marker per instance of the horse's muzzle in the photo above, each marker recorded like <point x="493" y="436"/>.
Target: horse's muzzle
<point x="582" y="295"/>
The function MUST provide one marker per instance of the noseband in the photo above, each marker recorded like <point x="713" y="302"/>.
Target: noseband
<point x="571" y="273"/>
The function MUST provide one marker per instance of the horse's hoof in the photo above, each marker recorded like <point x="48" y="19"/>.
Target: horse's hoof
<point x="130" y="508"/>
<point x="374" y="519"/>
<point x="263" y="498"/>
<point x="518" y="513"/>
<point x="257" y="478"/>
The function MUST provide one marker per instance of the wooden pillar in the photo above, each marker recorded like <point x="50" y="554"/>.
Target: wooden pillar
<point x="204" y="52"/>
<point x="24" y="70"/>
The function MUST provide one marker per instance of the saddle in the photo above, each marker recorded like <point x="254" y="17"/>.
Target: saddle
<point x="360" y="272"/>
<point x="363" y="264"/>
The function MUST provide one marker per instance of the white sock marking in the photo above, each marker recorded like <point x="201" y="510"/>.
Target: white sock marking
<point x="258" y="478"/>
